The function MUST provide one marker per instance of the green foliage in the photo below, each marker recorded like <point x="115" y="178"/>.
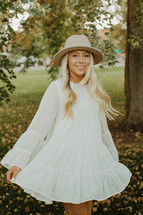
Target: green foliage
<point x="9" y="10"/>
<point x="87" y="15"/>
<point x="6" y="74"/>
<point x="44" y="35"/>
<point x="50" y="23"/>
<point x="119" y="33"/>
<point x="136" y="36"/>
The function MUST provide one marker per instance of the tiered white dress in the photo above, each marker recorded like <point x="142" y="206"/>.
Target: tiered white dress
<point x="68" y="160"/>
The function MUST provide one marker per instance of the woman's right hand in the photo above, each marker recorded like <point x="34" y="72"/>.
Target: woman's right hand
<point x="12" y="173"/>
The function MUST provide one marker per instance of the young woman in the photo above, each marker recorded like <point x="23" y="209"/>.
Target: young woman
<point x="67" y="153"/>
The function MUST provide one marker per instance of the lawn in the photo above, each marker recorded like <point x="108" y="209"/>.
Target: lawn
<point x="15" y="118"/>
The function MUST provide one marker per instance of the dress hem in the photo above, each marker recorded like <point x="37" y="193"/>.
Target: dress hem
<point x="50" y="201"/>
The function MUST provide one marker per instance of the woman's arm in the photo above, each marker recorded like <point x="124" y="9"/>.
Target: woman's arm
<point x="106" y="136"/>
<point x="35" y="134"/>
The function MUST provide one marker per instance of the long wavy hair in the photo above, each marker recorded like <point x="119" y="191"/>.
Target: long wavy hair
<point x="96" y="90"/>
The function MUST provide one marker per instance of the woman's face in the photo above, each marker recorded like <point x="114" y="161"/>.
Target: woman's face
<point x="78" y="63"/>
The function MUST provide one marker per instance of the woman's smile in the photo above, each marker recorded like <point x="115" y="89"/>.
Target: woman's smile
<point x="80" y="66"/>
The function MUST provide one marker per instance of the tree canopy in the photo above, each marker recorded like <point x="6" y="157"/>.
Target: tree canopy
<point x="46" y="29"/>
<point x="48" y="25"/>
<point x="8" y="11"/>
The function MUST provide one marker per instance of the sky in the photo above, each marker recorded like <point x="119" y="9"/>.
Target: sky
<point x="15" y="22"/>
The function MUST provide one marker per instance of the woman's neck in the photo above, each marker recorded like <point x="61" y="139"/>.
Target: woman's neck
<point x="75" y="80"/>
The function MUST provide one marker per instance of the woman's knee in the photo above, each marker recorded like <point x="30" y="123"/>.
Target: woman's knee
<point x="77" y="209"/>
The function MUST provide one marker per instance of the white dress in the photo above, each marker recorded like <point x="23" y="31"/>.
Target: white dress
<point x="68" y="160"/>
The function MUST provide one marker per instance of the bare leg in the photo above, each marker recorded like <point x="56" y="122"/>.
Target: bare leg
<point x="90" y="207"/>
<point x="84" y="208"/>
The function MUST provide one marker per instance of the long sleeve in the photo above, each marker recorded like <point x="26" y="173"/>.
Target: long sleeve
<point x="28" y="143"/>
<point x="106" y="136"/>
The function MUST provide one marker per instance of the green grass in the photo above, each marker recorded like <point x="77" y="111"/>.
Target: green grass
<point x="31" y="82"/>
<point x="113" y="82"/>
<point x="30" y="88"/>
<point x="37" y="81"/>
<point x="32" y="85"/>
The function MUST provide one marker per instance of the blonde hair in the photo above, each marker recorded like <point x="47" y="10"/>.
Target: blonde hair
<point x="96" y="90"/>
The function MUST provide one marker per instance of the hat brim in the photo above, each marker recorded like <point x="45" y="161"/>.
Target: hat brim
<point x="97" y="54"/>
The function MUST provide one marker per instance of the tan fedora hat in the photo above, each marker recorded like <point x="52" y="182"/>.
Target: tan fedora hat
<point x="77" y="42"/>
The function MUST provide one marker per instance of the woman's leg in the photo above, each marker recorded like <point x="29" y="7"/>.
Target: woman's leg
<point x="90" y="207"/>
<point x="84" y="208"/>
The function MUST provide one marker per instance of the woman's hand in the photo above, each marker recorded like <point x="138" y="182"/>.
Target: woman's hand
<point x="12" y="173"/>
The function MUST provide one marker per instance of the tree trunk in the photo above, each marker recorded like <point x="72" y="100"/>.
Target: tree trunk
<point x="133" y="75"/>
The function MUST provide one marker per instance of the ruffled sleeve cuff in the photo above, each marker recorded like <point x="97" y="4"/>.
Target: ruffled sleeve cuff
<point x="15" y="157"/>
<point x="26" y="147"/>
